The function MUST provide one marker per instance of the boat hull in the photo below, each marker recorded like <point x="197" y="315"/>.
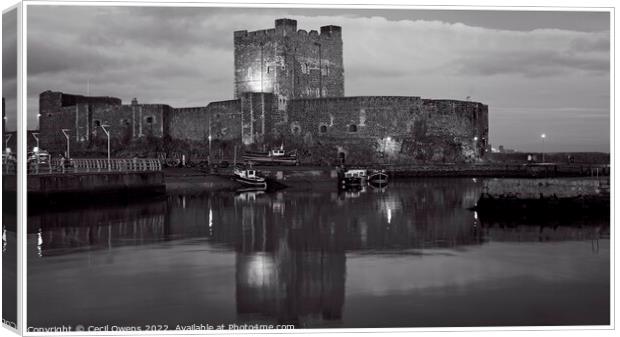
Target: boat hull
<point x="347" y="183"/>
<point x="251" y="182"/>
<point x="378" y="179"/>
<point x="266" y="160"/>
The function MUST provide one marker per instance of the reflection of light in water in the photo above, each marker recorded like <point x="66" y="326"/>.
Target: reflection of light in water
<point x="474" y="180"/>
<point x="260" y="270"/>
<point x="3" y="240"/>
<point x="210" y="218"/>
<point x="183" y="201"/>
<point x="278" y="207"/>
<point x="352" y="194"/>
<point x="39" y="243"/>
<point x="475" y="215"/>
<point x="363" y="232"/>
<point x="389" y="204"/>
<point x="248" y="195"/>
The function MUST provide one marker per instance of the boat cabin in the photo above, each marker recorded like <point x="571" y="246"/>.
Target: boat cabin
<point x="276" y="153"/>
<point x="355" y="174"/>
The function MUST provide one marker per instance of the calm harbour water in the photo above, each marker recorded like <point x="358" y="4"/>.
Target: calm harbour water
<point x="411" y="255"/>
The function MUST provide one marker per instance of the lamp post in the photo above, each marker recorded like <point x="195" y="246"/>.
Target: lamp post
<point x="35" y="135"/>
<point x="475" y="146"/>
<point x="7" y="137"/>
<point x="386" y="154"/>
<point x="543" y="136"/>
<point x="210" y="138"/>
<point x="66" y="133"/>
<point x="320" y="70"/>
<point x="210" y="145"/>
<point x="107" y="133"/>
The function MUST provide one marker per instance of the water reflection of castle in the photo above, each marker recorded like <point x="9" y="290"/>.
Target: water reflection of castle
<point x="291" y="247"/>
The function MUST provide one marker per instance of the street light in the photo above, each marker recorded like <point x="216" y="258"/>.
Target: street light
<point x="475" y="146"/>
<point x="6" y="139"/>
<point x="107" y="133"/>
<point x="543" y="136"/>
<point x="35" y="135"/>
<point x="66" y="133"/>
<point x="210" y="138"/>
<point x="210" y="144"/>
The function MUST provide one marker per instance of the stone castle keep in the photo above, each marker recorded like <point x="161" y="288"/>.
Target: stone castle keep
<point x="289" y="89"/>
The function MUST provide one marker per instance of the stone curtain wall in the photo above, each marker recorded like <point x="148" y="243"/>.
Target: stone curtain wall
<point x="84" y="116"/>
<point x="380" y="129"/>
<point x="64" y="111"/>
<point x="220" y="119"/>
<point x="288" y="62"/>
<point x="387" y="128"/>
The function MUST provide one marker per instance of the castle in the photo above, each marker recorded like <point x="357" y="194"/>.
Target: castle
<point x="289" y="89"/>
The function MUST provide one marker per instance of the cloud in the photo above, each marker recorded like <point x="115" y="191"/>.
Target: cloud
<point x="184" y="57"/>
<point x="9" y="67"/>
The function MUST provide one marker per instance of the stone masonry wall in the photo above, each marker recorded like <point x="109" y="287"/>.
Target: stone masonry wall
<point x="59" y="111"/>
<point x="288" y="62"/>
<point x="387" y="128"/>
<point x="221" y="120"/>
<point x="83" y="116"/>
<point x="256" y="111"/>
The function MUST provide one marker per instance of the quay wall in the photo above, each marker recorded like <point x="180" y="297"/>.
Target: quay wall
<point x="95" y="183"/>
<point x="545" y="188"/>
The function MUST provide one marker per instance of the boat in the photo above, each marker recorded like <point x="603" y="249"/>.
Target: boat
<point x="351" y="179"/>
<point x="273" y="157"/>
<point x="249" y="178"/>
<point x="378" y="178"/>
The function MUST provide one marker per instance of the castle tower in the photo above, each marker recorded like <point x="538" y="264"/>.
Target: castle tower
<point x="288" y="63"/>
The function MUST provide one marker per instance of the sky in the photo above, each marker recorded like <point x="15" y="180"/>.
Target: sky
<point x="9" y="67"/>
<point x="539" y="72"/>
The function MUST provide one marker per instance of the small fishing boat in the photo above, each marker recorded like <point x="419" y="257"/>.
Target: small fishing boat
<point x="378" y="178"/>
<point x="351" y="179"/>
<point x="249" y="178"/>
<point x="273" y="157"/>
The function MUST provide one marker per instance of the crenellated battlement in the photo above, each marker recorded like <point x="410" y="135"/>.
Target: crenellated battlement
<point x="288" y="27"/>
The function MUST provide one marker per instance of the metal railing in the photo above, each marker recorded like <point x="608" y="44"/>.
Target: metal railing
<point x="9" y="168"/>
<point x="94" y="166"/>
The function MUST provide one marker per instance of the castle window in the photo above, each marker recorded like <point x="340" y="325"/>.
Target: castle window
<point x="268" y="70"/>
<point x="97" y="123"/>
<point x="295" y="128"/>
<point x="352" y="128"/>
<point x="149" y="120"/>
<point x="323" y="129"/>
